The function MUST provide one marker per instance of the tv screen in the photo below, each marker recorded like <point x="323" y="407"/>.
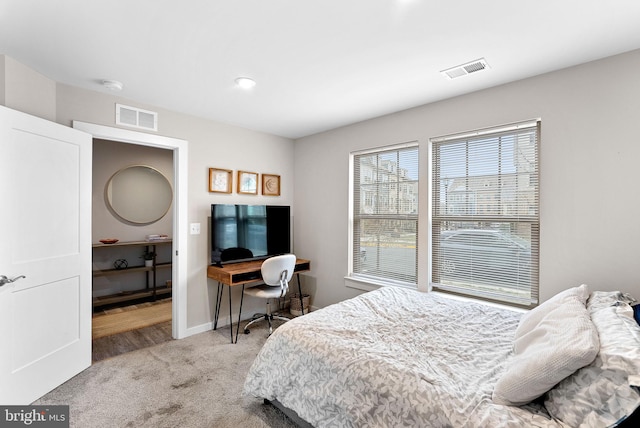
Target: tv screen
<point x="249" y="232"/>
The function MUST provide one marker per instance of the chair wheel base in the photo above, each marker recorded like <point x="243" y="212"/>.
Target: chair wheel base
<point x="247" y="331"/>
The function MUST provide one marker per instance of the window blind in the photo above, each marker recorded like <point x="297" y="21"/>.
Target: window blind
<point x="485" y="213"/>
<point x="385" y="215"/>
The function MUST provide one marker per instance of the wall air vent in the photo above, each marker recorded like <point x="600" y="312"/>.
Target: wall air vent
<point x="465" y="69"/>
<point x="136" y="118"/>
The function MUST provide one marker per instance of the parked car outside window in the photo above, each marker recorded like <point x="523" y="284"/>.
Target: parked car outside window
<point x="484" y="257"/>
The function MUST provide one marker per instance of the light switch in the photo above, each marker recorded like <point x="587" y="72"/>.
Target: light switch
<point x="195" y="228"/>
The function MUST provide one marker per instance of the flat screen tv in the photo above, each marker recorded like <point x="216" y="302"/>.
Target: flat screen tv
<point x="248" y="232"/>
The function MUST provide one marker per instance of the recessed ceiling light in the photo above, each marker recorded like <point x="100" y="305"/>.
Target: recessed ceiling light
<point x="245" y="82"/>
<point x="113" y="85"/>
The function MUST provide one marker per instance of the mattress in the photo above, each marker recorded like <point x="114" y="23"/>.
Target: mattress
<point x="393" y="357"/>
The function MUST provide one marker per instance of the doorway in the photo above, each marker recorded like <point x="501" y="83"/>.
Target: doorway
<point x="179" y="246"/>
<point x="131" y="288"/>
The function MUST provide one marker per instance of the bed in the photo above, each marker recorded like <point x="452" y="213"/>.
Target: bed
<point x="401" y="358"/>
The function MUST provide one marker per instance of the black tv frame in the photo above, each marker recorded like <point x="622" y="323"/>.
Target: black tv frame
<point x="278" y="234"/>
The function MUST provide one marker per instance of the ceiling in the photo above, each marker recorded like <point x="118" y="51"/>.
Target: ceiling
<point x="318" y="64"/>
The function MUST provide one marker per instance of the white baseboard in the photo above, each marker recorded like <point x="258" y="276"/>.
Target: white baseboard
<point x="199" y="329"/>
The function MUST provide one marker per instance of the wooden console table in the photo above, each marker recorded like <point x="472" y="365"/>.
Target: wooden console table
<point x="243" y="273"/>
<point x="145" y="291"/>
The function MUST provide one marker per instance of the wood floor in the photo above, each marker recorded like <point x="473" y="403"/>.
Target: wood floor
<point x="111" y="344"/>
<point x="133" y="318"/>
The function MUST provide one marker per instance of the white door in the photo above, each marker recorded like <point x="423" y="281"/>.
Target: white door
<point x="45" y="236"/>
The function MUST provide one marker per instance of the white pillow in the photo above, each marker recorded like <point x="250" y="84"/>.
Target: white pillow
<point x="601" y="394"/>
<point x="531" y="319"/>
<point x="564" y="340"/>
<point x="619" y="340"/>
<point x="605" y="299"/>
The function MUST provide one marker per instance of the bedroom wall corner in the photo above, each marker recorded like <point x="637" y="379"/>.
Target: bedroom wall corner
<point x="26" y="90"/>
<point x="2" y="80"/>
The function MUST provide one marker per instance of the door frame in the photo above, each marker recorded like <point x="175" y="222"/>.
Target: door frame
<point x="180" y="208"/>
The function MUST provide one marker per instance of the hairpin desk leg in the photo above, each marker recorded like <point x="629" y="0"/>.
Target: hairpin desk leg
<point x="239" y="315"/>
<point x="216" y="314"/>
<point x="300" y="294"/>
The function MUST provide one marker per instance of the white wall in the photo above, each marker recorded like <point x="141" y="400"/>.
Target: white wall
<point x="3" y="60"/>
<point x="211" y="144"/>
<point x="590" y="151"/>
<point x="110" y="157"/>
<point x="27" y="90"/>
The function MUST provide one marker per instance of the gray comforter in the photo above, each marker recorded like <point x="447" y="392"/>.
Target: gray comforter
<point x="393" y="358"/>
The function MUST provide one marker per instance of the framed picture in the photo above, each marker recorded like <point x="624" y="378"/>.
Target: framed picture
<point x="220" y="180"/>
<point x="270" y="185"/>
<point x="248" y="182"/>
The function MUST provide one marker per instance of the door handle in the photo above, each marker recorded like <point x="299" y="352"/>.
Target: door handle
<point x="4" y="280"/>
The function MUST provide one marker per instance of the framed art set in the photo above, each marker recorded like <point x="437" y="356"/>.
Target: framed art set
<point x="221" y="181"/>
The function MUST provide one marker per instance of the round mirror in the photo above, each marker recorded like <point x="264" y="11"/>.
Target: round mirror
<point x="139" y="194"/>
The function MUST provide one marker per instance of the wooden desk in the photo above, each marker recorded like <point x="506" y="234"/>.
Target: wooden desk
<point x="243" y="273"/>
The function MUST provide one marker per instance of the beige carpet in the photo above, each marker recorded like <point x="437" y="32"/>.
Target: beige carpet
<point x="188" y="383"/>
<point x="132" y="319"/>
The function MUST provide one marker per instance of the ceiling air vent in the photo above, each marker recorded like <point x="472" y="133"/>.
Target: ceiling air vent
<point x="136" y="117"/>
<point x="465" y="69"/>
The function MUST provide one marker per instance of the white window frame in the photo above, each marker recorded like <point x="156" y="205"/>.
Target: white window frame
<point x="367" y="282"/>
<point x="534" y="221"/>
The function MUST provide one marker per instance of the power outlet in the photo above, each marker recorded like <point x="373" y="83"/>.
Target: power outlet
<point x="194" y="228"/>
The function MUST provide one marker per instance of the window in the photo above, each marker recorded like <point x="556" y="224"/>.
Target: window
<point x="384" y="220"/>
<point x="485" y="213"/>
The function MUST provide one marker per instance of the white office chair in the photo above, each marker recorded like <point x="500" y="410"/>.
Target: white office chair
<point x="276" y="271"/>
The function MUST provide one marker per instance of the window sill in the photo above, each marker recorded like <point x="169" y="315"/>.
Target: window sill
<point x="369" y="284"/>
<point x="483" y="302"/>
